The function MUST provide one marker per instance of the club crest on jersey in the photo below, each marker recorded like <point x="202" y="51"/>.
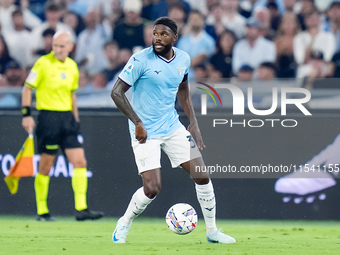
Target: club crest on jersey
<point x="180" y="71"/>
<point x="128" y="69"/>
<point x="63" y="75"/>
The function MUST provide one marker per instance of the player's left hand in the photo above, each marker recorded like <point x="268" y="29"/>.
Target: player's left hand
<point x="194" y="130"/>
<point x="141" y="133"/>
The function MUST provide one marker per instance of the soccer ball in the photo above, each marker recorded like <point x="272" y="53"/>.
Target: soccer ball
<point x="181" y="218"/>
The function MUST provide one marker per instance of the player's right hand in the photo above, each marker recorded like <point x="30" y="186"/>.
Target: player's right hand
<point x="28" y="123"/>
<point x="194" y="129"/>
<point x="141" y="133"/>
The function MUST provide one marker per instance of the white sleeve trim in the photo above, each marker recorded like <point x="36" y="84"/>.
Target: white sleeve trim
<point x="124" y="81"/>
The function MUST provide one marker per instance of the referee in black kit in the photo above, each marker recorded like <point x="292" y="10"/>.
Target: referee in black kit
<point x="55" y="78"/>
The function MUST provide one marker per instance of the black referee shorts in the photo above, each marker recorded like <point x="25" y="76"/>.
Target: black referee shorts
<point x="56" y="130"/>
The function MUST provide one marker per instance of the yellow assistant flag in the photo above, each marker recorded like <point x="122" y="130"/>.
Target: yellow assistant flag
<point x="23" y="165"/>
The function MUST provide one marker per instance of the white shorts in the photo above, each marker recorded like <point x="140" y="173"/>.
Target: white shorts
<point x="179" y="146"/>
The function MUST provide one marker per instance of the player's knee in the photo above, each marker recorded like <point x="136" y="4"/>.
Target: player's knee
<point x="45" y="168"/>
<point x="201" y="181"/>
<point x="152" y="190"/>
<point x="79" y="163"/>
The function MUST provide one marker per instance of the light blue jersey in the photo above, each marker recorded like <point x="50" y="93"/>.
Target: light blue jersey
<point x="154" y="83"/>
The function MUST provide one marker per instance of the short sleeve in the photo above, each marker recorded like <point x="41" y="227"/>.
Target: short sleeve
<point x="132" y="70"/>
<point x="188" y="64"/>
<point x="36" y="74"/>
<point x="185" y="78"/>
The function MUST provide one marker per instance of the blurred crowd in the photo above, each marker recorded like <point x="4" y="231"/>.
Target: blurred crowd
<point x="241" y="39"/>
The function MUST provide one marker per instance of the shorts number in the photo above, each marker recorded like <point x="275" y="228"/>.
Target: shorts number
<point x="192" y="141"/>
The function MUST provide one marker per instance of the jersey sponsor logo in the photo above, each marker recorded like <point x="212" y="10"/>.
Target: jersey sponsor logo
<point x="128" y="69"/>
<point x="180" y="71"/>
<point x="31" y="77"/>
<point x="63" y="75"/>
<point x="135" y="59"/>
<point x="157" y="72"/>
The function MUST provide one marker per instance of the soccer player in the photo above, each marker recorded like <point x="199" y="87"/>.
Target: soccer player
<point x="55" y="78"/>
<point x="156" y="76"/>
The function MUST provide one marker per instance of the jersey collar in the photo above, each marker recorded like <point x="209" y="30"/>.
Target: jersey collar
<point x="168" y="60"/>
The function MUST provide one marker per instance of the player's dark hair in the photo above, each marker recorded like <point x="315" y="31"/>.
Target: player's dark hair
<point x="166" y="21"/>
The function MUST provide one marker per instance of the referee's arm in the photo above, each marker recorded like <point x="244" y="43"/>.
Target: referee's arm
<point x="75" y="107"/>
<point x="26" y="100"/>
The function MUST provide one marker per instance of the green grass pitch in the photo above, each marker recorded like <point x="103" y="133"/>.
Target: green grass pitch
<point x="23" y="235"/>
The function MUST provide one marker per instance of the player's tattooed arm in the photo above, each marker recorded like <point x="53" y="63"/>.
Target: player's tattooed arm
<point x="123" y="104"/>
<point x="184" y="99"/>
